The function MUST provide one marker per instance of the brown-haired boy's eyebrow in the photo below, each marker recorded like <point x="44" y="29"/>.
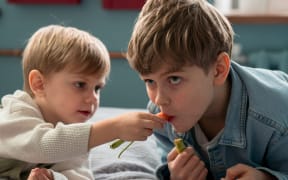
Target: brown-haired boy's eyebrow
<point x="170" y="70"/>
<point x="174" y="70"/>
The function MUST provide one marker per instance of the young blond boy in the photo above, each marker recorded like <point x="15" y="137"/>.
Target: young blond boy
<point x="42" y="128"/>
<point x="233" y="118"/>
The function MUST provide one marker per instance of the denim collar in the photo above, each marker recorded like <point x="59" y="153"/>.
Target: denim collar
<point x="235" y="123"/>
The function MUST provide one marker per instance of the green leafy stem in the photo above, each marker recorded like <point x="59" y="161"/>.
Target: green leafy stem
<point x="118" y="143"/>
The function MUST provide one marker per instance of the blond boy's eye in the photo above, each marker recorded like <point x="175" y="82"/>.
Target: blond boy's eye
<point x="174" y="80"/>
<point x="148" y="81"/>
<point x="97" y="89"/>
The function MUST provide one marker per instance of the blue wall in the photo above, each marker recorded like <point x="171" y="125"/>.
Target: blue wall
<point x="18" y="22"/>
<point x="124" y="88"/>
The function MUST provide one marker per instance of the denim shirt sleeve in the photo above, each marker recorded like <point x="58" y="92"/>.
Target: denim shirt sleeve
<point x="277" y="156"/>
<point x="278" y="175"/>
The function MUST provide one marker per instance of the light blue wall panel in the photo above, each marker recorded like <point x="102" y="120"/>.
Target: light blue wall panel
<point x="124" y="89"/>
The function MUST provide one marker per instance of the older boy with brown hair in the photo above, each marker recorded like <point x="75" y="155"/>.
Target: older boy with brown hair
<point x="233" y="118"/>
<point x="42" y="128"/>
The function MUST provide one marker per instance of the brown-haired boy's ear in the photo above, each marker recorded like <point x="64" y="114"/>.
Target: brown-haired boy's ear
<point x="222" y="68"/>
<point x="36" y="82"/>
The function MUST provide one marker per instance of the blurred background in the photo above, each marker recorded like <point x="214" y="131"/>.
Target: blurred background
<point x="261" y="39"/>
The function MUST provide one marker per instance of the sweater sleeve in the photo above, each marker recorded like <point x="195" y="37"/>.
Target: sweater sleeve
<point x="25" y="136"/>
<point x="43" y="143"/>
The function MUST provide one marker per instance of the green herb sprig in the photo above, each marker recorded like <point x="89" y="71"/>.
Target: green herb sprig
<point x="118" y="143"/>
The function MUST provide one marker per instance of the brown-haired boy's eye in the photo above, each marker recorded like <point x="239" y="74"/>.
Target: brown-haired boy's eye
<point x="80" y="84"/>
<point x="174" y="80"/>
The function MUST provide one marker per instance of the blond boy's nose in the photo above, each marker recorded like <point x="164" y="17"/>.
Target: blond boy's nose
<point x="92" y="98"/>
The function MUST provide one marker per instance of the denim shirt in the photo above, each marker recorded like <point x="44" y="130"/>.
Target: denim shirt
<point x="256" y="127"/>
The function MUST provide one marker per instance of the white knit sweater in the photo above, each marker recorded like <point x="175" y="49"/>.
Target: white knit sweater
<point x="25" y="136"/>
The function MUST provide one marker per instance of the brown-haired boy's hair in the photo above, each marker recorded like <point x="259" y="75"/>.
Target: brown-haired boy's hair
<point x="54" y="48"/>
<point x="178" y="32"/>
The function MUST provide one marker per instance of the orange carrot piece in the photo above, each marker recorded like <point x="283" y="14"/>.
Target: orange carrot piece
<point x="163" y="116"/>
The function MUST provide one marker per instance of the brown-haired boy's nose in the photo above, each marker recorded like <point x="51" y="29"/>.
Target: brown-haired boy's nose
<point x="162" y="100"/>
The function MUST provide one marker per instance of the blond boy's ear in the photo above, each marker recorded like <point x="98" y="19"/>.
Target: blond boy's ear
<point x="222" y="68"/>
<point x="36" y="82"/>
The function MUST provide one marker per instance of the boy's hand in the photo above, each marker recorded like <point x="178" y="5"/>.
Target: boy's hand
<point x="137" y="125"/>
<point x="40" y="174"/>
<point x="186" y="165"/>
<point x="244" y="172"/>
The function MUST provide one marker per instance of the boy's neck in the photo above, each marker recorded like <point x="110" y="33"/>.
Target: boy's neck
<point x="214" y="120"/>
<point x="211" y="127"/>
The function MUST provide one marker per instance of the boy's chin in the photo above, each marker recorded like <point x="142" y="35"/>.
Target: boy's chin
<point x="180" y="130"/>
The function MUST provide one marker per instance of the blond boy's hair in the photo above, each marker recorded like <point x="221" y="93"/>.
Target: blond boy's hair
<point x="178" y="32"/>
<point x="53" y="48"/>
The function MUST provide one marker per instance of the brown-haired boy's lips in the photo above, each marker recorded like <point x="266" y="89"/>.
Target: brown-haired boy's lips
<point x="164" y="116"/>
<point x="170" y="118"/>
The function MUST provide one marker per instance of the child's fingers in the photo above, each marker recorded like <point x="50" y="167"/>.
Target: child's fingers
<point x="37" y="174"/>
<point x="186" y="165"/>
<point x="195" y="166"/>
<point x="147" y="132"/>
<point x="158" y="119"/>
<point x="32" y="175"/>
<point x="147" y="120"/>
<point x="183" y="157"/>
<point x="203" y="174"/>
<point x="236" y="171"/>
<point x="47" y="173"/>
<point x="172" y="155"/>
<point x="154" y="117"/>
<point x="40" y="174"/>
<point x="151" y="124"/>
